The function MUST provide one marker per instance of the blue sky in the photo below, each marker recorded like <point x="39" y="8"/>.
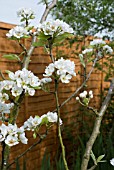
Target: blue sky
<point x="8" y="9"/>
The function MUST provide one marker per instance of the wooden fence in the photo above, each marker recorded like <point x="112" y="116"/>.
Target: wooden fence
<point x="43" y="102"/>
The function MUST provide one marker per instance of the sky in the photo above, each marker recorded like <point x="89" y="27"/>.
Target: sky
<point x="9" y="8"/>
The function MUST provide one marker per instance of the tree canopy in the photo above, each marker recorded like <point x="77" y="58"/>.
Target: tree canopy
<point x="87" y="16"/>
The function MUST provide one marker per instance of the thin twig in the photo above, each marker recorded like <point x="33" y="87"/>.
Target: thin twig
<point x="29" y="149"/>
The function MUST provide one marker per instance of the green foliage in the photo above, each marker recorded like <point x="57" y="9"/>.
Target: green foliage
<point x="11" y="57"/>
<point x="86" y="16"/>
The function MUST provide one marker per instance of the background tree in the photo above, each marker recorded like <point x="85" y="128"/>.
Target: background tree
<point x="87" y="16"/>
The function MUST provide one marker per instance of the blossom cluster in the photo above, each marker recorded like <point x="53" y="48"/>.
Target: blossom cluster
<point x="11" y="134"/>
<point x="25" y="13"/>
<point x="97" y="47"/>
<point x="18" y="32"/>
<point x="54" y="27"/>
<point x="32" y="123"/>
<point x="4" y="107"/>
<point x="100" y="45"/>
<point x="97" y="42"/>
<point x="24" y="80"/>
<point x="103" y="46"/>
<point x="61" y="69"/>
<point x="85" y="97"/>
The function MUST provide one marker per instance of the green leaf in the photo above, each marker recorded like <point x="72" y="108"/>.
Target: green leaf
<point x="44" y="120"/>
<point x="93" y="157"/>
<point x="62" y="37"/>
<point x="82" y="60"/>
<point x="42" y="36"/>
<point x="100" y="158"/>
<point x="39" y="43"/>
<point x="34" y="135"/>
<point x="11" y="57"/>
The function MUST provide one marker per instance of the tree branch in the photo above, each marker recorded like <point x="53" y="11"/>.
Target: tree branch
<point x="47" y="10"/>
<point x="96" y="129"/>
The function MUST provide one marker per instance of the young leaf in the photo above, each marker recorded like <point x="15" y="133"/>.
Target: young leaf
<point x="39" y="43"/>
<point x="11" y="57"/>
<point x="93" y="157"/>
<point x="100" y="158"/>
<point x="82" y="60"/>
<point x="34" y="135"/>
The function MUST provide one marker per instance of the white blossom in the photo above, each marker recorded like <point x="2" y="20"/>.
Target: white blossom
<point x="61" y="69"/>
<point x="83" y="94"/>
<point x="87" y="50"/>
<point x="77" y="98"/>
<point x="16" y="91"/>
<point x="11" y="134"/>
<point x="17" y="32"/>
<point x="53" y="117"/>
<point x="112" y="161"/>
<point x="45" y="80"/>
<point x="11" y="140"/>
<point x="65" y="78"/>
<point x="108" y="49"/>
<point x="97" y="42"/>
<point x="26" y="13"/>
<point x="3" y="97"/>
<point x="49" y="70"/>
<point x="52" y="27"/>
<point x="91" y="94"/>
<point x="5" y="108"/>
<point x="23" y="138"/>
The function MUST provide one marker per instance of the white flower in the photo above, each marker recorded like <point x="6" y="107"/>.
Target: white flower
<point x="36" y="121"/>
<point x="3" y="132"/>
<point x="17" y="32"/>
<point x="97" y="42"/>
<point x="3" y="97"/>
<point x="11" y="140"/>
<point x="16" y="91"/>
<point x="12" y="129"/>
<point x="108" y="49"/>
<point x="5" y="108"/>
<point x="49" y="70"/>
<point x="83" y="94"/>
<point x="112" y="161"/>
<point x="23" y="138"/>
<point x="77" y="98"/>
<point x="65" y="78"/>
<point x="11" y="75"/>
<point x="34" y="81"/>
<point x="8" y="84"/>
<point x="90" y="92"/>
<point x="30" y="91"/>
<point x="45" y="80"/>
<point x="28" y="124"/>
<point x="87" y="50"/>
<point x="53" y="118"/>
